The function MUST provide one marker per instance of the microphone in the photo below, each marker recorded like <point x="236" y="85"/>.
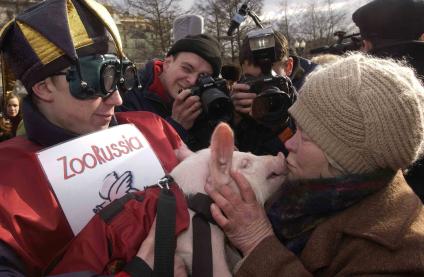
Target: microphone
<point x="319" y="50"/>
<point x="189" y="24"/>
<point x="237" y="19"/>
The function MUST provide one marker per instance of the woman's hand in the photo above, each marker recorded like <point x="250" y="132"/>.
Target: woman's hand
<point x="242" y="218"/>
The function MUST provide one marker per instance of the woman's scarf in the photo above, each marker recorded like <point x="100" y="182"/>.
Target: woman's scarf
<point x="300" y="206"/>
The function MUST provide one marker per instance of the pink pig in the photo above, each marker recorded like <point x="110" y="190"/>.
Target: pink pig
<point x="265" y="174"/>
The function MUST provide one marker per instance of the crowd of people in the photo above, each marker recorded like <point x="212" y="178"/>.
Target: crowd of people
<point x="351" y="128"/>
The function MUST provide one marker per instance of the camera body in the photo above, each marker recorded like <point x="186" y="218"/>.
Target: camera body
<point x="268" y="82"/>
<point x="275" y="94"/>
<point x="215" y="99"/>
<point x="344" y="43"/>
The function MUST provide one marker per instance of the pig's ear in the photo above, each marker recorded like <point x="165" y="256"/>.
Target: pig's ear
<point x="222" y="147"/>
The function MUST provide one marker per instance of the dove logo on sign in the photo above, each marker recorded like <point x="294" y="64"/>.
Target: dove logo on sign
<point x="89" y="172"/>
<point x="115" y="187"/>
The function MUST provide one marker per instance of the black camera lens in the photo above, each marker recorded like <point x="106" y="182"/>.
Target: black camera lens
<point x="214" y="96"/>
<point x="271" y="107"/>
<point x="217" y="105"/>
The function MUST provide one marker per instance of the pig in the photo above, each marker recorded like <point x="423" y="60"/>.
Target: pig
<point x="265" y="174"/>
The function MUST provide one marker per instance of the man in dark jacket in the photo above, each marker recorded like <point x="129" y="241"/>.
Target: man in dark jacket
<point x="395" y="29"/>
<point x="166" y="88"/>
<point x="251" y="135"/>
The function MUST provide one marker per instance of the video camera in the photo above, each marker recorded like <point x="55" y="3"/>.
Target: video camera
<point x="275" y="94"/>
<point x="341" y="46"/>
<point x="215" y="99"/>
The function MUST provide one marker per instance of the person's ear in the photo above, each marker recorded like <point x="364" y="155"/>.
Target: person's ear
<point x="421" y="37"/>
<point x="288" y="68"/>
<point x="43" y="90"/>
<point x="366" y="45"/>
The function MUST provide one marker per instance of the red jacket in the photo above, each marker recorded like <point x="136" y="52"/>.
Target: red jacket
<point x="31" y="221"/>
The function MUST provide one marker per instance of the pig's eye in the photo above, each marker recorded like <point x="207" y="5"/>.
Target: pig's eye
<point x="245" y="164"/>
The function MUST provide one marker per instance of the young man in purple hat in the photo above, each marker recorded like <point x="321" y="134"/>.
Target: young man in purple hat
<point x="72" y="65"/>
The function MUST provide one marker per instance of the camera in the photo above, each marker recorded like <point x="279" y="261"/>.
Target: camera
<point x="341" y="46"/>
<point x="275" y="94"/>
<point x="215" y="99"/>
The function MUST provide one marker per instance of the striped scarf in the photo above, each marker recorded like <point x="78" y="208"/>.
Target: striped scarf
<point x="300" y="206"/>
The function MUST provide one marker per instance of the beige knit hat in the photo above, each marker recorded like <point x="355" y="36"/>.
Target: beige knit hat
<point x="365" y="113"/>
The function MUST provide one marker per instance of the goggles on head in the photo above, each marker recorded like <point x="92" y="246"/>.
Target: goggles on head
<point x="100" y="76"/>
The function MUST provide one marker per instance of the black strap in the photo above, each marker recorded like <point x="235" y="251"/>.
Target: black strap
<point x="200" y="203"/>
<point x="114" y="208"/>
<point x="165" y="234"/>
<point x="138" y="267"/>
<point x="202" y="247"/>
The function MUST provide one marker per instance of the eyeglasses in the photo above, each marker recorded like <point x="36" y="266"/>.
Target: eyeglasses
<point x="100" y="76"/>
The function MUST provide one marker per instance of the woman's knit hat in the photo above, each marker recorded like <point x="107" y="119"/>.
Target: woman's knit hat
<point x="365" y="113"/>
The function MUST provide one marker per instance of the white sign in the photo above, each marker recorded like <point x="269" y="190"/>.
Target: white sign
<point x="89" y="172"/>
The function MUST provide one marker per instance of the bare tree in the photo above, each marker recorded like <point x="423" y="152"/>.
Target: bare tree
<point x="218" y="15"/>
<point x="160" y="14"/>
<point x="315" y="21"/>
<point x="284" y="25"/>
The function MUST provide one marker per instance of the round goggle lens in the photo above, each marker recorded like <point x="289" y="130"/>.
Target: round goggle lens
<point x="109" y="78"/>
<point x="130" y="77"/>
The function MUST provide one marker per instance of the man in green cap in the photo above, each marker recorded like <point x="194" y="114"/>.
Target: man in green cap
<point x="71" y="64"/>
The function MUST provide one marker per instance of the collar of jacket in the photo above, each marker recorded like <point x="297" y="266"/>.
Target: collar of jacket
<point x="150" y="80"/>
<point x="383" y="218"/>
<point x="40" y="130"/>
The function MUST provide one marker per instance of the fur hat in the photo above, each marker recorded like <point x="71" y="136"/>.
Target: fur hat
<point x="203" y="45"/>
<point x="36" y="44"/>
<point x="391" y="19"/>
<point x="365" y="113"/>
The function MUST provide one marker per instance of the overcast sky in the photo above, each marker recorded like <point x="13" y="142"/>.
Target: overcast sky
<point x="272" y="8"/>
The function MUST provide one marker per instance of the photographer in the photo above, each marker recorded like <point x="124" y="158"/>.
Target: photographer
<point x="395" y="29"/>
<point x="251" y="135"/>
<point x="166" y="88"/>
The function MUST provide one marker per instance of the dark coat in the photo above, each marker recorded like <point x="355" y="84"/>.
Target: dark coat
<point x="413" y="53"/>
<point x="381" y="235"/>
<point x="301" y="68"/>
<point x="253" y="137"/>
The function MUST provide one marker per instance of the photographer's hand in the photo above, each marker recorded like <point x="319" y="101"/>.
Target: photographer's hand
<point x="242" y="99"/>
<point x="186" y="108"/>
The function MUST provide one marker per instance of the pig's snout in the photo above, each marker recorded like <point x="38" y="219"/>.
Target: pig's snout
<point x="276" y="166"/>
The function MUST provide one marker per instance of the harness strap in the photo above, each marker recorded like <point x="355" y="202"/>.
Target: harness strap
<point x="138" y="267"/>
<point x="200" y="203"/>
<point x="165" y="233"/>
<point x="202" y="247"/>
<point x="114" y="208"/>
